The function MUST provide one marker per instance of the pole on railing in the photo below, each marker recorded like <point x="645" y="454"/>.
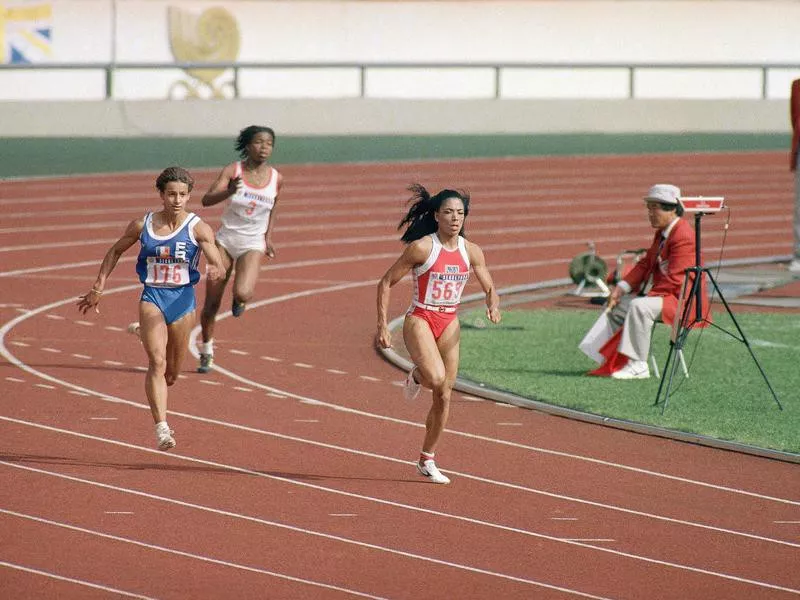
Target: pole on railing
<point x="362" y="83"/>
<point x="109" y="81"/>
<point x="631" y="82"/>
<point x="763" y="83"/>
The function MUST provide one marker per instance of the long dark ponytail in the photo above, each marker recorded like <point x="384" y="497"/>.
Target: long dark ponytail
<point x="419" y="220"/>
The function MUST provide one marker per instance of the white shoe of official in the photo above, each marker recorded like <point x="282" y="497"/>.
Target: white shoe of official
<point x="794" y="267"/>
<point x="428" y="469"/>
<point x="634" y="369"/>
<point x="412" y="388"/>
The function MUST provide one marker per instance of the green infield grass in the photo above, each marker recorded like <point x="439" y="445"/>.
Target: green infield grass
<point x="534" y="354"/>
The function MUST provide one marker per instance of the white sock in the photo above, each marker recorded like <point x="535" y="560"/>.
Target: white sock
<point x="162" y="426"/>
<point x="207" y="347"/>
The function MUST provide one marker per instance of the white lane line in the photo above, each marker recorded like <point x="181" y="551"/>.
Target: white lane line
<point x="468" y="398"/>
<point x="25" y="367"/>
<point x="274" y="395"/>
<point x="336" y="371"/>
<point x="46" y="386"/>
<point x="271" y="359"/>
<point x="117" y="512"/>
<point x="788" y="522"/>
<point x="306" y="420"/>
<point x="79" y="393"/>
<point x="384" y="502"/>
<point x="242" y="388"/>
<point x="15" y="305"/>
<point x="83" y="356"/>
<point x="85" y="323"/>
<point x="56" y="317"/>
<point x="104" y="418"/>
<point x="82" y="582"/>
<point x="176" y="552"/>
<point x="22" y="344"/>
<point x="209" y="382"/>
<point x="589" y="540"/>
<point x="113" y="363"/>
<point x="114" y="328"/>
<point x="22" y="310"/>
<point x="52" y="350"/>
<point x="368" y="378"/>
<point x="302" y="365"/>
<point x="239" y="352"/>
<point x="509" y="424"/>
<point x="563" y="518"/>
<point x="15" y="379"/>
<point x="342" y="515"/>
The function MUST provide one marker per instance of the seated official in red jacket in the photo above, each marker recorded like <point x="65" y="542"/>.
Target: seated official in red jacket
<point x="665" y="263"/>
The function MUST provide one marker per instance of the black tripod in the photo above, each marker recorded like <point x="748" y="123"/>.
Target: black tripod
<point x="686" y="322"/>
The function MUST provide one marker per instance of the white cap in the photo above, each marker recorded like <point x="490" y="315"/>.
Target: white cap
<point x="663" y="193"/>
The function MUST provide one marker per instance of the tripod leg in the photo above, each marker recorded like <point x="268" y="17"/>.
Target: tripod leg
<point x="743" y="338"/>
<point x="683" y="363"/>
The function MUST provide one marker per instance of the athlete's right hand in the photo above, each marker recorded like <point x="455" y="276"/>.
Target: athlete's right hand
<point x="234" y="185"/>
<point x="89" y="300"/>
<point x="383" y="338"/>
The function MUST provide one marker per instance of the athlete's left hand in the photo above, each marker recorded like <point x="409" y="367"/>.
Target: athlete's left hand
<point x="213" y="273"/>
<point x="493" y="314"/>
<point x="270" y="251"/>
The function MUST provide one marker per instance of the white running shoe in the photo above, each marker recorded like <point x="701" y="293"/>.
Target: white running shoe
<point x="134" y="329"/>
<point x="428" y="469"/>
<point x="164" y="438"/>
<point x="412" y="388"/>
<point x="634" y="369"/>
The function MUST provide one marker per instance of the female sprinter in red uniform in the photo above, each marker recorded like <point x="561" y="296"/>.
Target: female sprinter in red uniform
<point x="439" y="258"/>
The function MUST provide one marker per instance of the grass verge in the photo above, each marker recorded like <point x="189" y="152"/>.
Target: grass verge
<point x="534" y="354"/>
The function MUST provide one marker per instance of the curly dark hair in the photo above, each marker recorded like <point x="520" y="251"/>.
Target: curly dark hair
<point x="419" y="220"/>
<point x="174" y="174"/>
<point x="246" y="136"/>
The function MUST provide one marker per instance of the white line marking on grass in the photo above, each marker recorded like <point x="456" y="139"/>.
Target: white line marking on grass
<point x="82" y="582"/>
<point x="173" y="551"/>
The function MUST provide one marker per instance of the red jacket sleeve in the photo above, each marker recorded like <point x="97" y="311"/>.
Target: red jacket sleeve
<point x="794" y="115"/>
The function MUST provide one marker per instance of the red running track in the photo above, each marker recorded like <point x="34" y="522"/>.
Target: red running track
<point x="293" y="476"/>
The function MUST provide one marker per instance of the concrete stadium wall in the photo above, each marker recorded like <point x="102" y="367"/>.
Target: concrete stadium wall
<point x="389" y="117"/>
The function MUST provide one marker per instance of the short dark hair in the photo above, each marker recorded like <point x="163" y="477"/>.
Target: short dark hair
<point x="246" y="136"/>
<point x="174" y="174"/>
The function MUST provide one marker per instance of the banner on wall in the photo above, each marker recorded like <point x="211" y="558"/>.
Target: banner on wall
<point x="26" y="31"/>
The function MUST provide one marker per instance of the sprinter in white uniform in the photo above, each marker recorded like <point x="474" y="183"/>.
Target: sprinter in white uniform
<point x="252" y="186"/>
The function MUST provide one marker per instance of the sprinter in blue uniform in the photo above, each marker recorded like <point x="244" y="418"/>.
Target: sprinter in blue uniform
<point x="171" y="241"/>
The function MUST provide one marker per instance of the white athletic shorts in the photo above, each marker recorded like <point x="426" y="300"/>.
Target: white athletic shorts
<point x="237" y="244"/>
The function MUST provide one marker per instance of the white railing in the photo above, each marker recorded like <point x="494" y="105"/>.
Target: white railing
<point x="498" y="80"/>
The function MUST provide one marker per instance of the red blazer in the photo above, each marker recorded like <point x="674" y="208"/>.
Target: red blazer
<point x="794" y="115"/>
<point x="677" y="255"/>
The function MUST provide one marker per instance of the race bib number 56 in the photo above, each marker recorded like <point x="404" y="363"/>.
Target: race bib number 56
<point x="445" y="289"/>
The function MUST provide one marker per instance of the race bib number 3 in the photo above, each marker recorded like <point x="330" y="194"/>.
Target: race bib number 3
<point x="445" y="289"/>
<point x="166" y="273"/>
